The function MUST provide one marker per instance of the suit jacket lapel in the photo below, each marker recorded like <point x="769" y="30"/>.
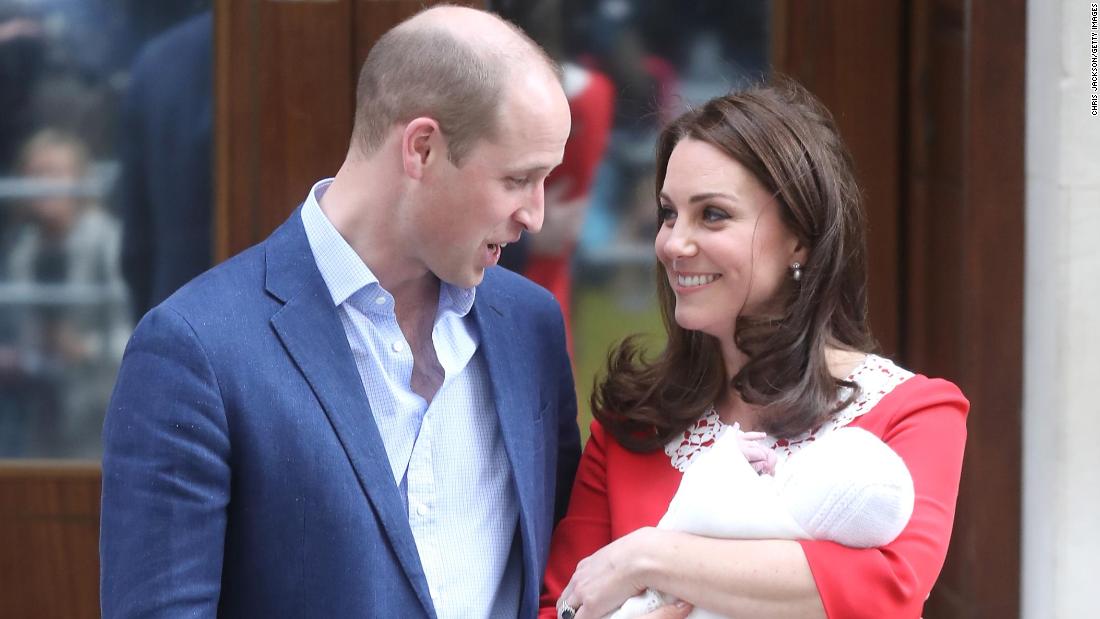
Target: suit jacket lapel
<point x="515" y="394"/>
<point x="310" y="329"/>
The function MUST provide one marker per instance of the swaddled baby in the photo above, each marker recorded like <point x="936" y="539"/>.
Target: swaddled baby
<point x="847" y="486"/>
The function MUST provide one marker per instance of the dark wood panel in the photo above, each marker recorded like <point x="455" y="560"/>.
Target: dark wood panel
<point x="284" y="94"/>
<point x="934" y="181"/>
<point x="49" y="530"/>
<point x="936" y="238"/>
<point x="973" y="114"/>
<point x="848" y="54"/>
<point x="935" y="214"/>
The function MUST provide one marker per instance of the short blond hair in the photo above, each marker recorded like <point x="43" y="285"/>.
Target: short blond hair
<point x="428" y="71"/>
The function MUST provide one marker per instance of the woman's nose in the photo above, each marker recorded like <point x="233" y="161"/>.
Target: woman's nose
<point x="680" y="241"/>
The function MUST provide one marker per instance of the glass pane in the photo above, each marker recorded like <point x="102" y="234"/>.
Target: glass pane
<point x="630" y="67"/>
<point x="79" y="140"/>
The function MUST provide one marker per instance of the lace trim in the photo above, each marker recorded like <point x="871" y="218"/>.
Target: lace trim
<point x="695" y="440"/>
<point x="876" y="377"/>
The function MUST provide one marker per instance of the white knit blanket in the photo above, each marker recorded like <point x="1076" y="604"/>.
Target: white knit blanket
<point x="847" y="486"/>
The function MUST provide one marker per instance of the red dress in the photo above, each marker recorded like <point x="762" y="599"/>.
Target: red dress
<point x="922" y="419"/>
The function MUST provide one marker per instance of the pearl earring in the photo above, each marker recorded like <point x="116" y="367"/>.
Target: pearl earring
<point x="796" y="271"/>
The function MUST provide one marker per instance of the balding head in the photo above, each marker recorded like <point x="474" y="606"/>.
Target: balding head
<point x="449" y="63"/>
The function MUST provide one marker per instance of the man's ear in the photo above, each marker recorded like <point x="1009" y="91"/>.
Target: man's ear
<point x="419" y="145"/>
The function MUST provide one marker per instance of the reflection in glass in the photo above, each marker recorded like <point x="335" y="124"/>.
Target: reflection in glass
<point x="70" y="318"/>
<point x="65" y="68"/>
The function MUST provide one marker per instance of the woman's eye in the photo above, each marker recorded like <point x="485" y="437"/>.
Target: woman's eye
<point x="664" y="214"/>
<point x="711" y="215"/>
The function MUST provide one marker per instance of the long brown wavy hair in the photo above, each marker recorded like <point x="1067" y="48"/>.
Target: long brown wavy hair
<point x="787" y="139"/>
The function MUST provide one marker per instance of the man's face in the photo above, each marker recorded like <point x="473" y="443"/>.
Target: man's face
<point x="497" y="190"/>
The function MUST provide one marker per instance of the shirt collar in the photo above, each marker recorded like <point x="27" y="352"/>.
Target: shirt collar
<point x="344" y="272"/>
<point x="455" y="299"/>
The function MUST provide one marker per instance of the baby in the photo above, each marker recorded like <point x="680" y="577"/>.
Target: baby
<point x="847" y="486"/>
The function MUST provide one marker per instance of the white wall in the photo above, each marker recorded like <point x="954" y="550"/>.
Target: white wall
<point x="1061" y="466"/>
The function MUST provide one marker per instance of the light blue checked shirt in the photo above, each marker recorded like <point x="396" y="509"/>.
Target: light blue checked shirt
<point x="448" y="457"/>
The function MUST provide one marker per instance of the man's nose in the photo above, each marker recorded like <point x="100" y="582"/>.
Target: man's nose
<point x="533" y="210"/>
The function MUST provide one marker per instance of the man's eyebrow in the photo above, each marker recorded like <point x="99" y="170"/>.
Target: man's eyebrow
<point x="534" y="168"/>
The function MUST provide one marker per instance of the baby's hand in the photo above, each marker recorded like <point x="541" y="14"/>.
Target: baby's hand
<point x="761" y="458"/>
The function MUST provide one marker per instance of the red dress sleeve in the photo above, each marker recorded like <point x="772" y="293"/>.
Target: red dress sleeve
<point x="923" y="420"/>
<point x="587" y="524"/>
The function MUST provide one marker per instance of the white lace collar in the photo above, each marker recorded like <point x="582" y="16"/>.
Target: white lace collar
<point x="876" y="377"/>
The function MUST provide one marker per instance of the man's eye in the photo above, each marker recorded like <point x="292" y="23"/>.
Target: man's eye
<point x="517" y="181"/>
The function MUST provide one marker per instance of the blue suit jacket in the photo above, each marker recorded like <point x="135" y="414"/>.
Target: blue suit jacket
<point x="243" y="473"/>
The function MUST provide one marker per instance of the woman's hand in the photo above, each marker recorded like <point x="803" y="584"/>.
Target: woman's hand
<point x="606" y="579"/>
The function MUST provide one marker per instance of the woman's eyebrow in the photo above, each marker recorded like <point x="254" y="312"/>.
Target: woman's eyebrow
<point x="699" y="197"/>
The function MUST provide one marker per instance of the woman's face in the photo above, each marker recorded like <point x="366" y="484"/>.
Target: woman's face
<point x="722" y="242"/>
